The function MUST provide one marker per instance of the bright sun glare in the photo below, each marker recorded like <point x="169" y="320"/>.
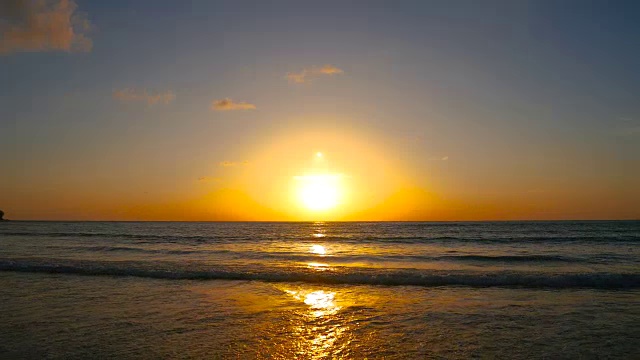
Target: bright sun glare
<point x="318" y="249"/>
<point x="319" y="192"/>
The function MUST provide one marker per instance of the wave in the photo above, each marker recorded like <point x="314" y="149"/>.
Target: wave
<point x="345" y="238"/>
<point x="513" y="258"/>
<point x="353" y="258"/>
<point x="499" y="240"/>
<point x="141" y="250"/>
<point x="121" y="235"/>
<point x="348" y="276"/>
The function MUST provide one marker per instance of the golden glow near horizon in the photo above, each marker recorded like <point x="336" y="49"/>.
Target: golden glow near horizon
<point x="319" y="192"/>
<point x="280" y="179"/>
<point x="292" y="178"/>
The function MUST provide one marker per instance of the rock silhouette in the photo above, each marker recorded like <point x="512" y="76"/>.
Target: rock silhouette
<point x="1" y="215"/>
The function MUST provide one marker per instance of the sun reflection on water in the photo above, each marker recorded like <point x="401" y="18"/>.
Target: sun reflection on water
<point x="322" y="331"/>
<point x="319" y="230"/>
<point x="321" y="251"/>
<point x="320" y="302"/>
<point x="318" y="266"/>
<point x="318" y="249"/>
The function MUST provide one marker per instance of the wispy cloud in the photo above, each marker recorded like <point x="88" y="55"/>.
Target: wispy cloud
<point x="208" y="179"/>
<point x="227" y="104"/>
<point x="131" y="95"/>
<point x="330" y="70"/>
<point x="228" y="163"/>
<point x="308" y="75"/>
<point x="43" y="25"/>
<point x="627" y="127"/>
<point x="439" y="158"/>
<point x="634" y="130"/>
<point x="233" y="163"/>
<point x="298" y="78"/>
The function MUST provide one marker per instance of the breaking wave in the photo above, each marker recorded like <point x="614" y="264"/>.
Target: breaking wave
<point x="339" y="275"/>
<point x="623" y="238"/>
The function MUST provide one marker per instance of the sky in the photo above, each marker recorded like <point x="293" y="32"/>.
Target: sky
<point x="377" y="110"/>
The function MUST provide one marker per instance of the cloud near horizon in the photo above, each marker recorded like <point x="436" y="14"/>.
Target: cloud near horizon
<point x="232" y="163"/>
<point x="44" y="25"/>
<point x="131" y="95"/>
<point x="208" y="179"/>
<point x="227" y="104"/>
<point x="307" y="75"/>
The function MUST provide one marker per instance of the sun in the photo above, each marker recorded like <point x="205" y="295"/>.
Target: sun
<point x="319" y="192"/>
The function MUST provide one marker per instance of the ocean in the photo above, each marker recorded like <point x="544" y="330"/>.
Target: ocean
<point x="316" y="290"/>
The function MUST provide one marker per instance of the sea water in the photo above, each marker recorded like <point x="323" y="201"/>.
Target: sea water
<point x="516" y="290"/>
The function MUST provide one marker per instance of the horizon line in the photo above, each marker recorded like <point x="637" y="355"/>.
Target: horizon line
<point x="326" y="221"/>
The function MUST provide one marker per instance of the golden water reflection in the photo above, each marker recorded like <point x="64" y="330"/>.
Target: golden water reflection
<point x="320" y="302"/>
<point x="321" y="251"/>
<point x="318" y="249"/>
<point x="318" y="266"/>
<point x="319" y="230"/>
<point x="322" y="333"/>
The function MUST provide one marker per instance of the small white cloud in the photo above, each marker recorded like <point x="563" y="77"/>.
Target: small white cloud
<point x="330" y="70"/>
<point x="227" y="104"/>
<point x="308" y="75"/>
